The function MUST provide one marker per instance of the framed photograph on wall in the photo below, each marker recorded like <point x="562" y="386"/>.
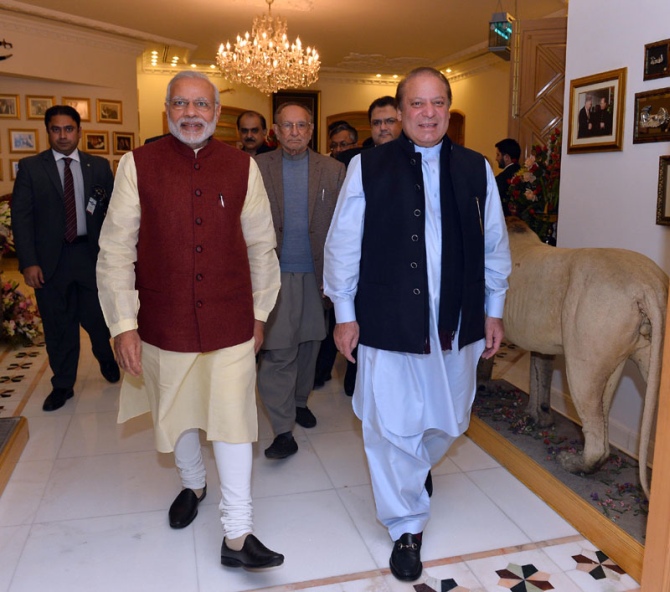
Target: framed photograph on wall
<point x="9" y="107"/>
<point x="652" y="116"/>
<point x="96" y="142"/>
<point x="656" y="60"/>
<point x="310" y="99"/>
<point x="123" y="142"/>
<point x="663" y="203"/>
<point x="23" y="140"/>
<point x="109" y="111"/>
<point x="13" y="169"/>
<point x="36" y="107"/>
<point x="82" y="106"/>
<point x="595" y="122"/>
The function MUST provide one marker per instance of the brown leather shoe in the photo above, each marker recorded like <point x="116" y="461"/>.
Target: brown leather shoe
<point x="184" y="508"/>
<point x="253" y="555"/>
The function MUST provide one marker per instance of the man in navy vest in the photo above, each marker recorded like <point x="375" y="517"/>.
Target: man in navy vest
<point x="416" y="264"/>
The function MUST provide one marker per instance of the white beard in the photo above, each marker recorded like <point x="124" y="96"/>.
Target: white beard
<point x="191" y="139"/>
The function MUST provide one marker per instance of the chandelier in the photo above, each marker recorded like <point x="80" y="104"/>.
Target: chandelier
<point x="265" y="60"/>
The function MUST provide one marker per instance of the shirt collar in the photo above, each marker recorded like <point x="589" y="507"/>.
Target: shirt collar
<point x="60" y="156"/>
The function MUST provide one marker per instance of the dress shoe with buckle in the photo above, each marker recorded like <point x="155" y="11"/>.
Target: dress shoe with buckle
<point x="405" y="562"/>
<point x="282" y="446"/>
<point x="429" y="484"/>
<point x="304" y="417"/>
<point x="110" y="371"/>
<point x="184" y="508"/>
<point x="57" y="398"/>
<point x="253" y="555"/>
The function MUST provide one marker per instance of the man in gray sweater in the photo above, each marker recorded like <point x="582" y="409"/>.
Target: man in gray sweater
<point x="303" y="187"/>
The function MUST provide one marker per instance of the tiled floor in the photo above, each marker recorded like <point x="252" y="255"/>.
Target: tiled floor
<point x="86" y="510"/>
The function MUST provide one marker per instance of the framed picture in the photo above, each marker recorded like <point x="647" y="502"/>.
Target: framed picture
<point x="596" y="112"/>
<point x="663" y="203"/>
<point x="123" y="142"/>
<point x="22" y="140"/>
<point x="13" y="169"/>
<point x="310" y="99"/>
<point x="109" y="111"/>
<point x="115" y="165"/>
<point x="36" y="107"/>
<point x="656" y="60"/>
<point x="9" y="107"/>
<point x="652" y="116"/>
<point x="83" y="107"/>
<point x="96" y="142"/>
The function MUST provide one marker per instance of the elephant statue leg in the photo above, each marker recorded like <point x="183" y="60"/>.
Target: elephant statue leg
<point x="539" y="399"/>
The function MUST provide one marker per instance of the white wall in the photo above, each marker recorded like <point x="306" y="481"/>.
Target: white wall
<point x="608" y="199"/>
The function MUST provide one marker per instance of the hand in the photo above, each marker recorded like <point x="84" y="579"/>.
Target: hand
<point x="259" y="335"/>
<point x="346" y="339"/>
<point x="33" y="276"/>
<point x="494" y="335"/>
<point x="128" y="351"/>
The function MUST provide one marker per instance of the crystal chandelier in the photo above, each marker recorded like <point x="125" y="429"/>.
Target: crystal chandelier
<point x="265" y="60"/>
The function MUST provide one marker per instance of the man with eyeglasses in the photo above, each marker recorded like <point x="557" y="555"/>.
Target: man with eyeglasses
<point x="188" y="276"/>
<point x="252" y="130"/>
<point x="302" y="186"/>
<point x="343" y="136"/>
<point x="59" y="201"/>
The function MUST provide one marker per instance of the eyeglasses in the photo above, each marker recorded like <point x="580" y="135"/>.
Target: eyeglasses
<point x="301" y="126"/>
<point x="198" y="104"/>
<point x="335" y="145"/>
<point x="387" y="122"/>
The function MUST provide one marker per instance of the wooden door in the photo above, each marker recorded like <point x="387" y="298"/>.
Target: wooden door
<point x="538" y="81"/>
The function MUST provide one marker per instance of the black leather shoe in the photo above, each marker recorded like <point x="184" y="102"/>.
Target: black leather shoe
<point x="304" y="417"/>
<point x="282" y="446"/>
<point x="429" y="484"/>
<point x="405" y="562"/>
<point x="253" y="555"/>
<point x="184" y="508"/>
<point x="57" y="398"/>
<point x="110" y="371"/>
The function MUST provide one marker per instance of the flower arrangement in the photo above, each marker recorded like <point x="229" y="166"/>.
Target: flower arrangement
<point x="533" y="191"/>
<point x="6" y="235"/>
<point x="21" y="322"/>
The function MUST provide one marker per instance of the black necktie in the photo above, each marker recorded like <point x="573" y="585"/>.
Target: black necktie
<point x="70" y="205"/>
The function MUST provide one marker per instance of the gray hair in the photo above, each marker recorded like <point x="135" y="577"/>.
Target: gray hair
<point x="191" y="74"/>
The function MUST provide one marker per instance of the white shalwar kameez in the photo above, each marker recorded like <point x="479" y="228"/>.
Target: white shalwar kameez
<point x="413" y="406"/>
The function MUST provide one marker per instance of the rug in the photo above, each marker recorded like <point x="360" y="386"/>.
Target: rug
<point x="21" y="368"/>
<point x="614" y="489"/>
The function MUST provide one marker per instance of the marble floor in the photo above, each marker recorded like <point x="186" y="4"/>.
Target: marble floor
<point x="86" y="510"/>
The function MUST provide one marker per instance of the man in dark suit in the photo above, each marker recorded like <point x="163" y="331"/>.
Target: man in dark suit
<point x="508" y="153"/>
<point x="58" y="205"/>
<point x="302" y="186"/>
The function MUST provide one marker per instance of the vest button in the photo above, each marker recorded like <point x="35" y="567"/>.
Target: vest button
<point x="417" y="212"/>
<point x="198" y="249"/>
<point x="196" y="166"/>
<point x="198" y="304"/>
<point x="198" y="221"/>
<point x="417" y="187"/>
<point x="412" y="161"/>
<point x="413" y="265"/>
<point x="199" y="277"/>
<point x="416" y="291"/>
<point x="415" y="238"/>
<point x="198" y="192"/>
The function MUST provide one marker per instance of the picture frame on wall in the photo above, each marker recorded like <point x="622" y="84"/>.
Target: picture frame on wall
<point x="109" y="111"/>
<point x="23" y="140"/>
<point x="9" y="107"/>
<point x="13" y="169"/>
<point x="96" y="142"/>
<point x="36" y="107"/>
<point x="82" y="106"/>
<point x="596" y="113"/>
<point x="656" y="60"/>
<point x="652" y="116"/>
<point x="663" y="203"/>
<point x="310" y="99"/>
<point x="123" y="142"/>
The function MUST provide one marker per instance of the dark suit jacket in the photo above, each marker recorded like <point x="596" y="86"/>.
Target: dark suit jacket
<point x="502" y="179"/>
<point x="38" y="209"/>
<point x="326" y="176"/>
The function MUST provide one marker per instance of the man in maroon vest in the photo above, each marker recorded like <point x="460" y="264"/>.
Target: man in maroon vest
<point x="188" y="276"/>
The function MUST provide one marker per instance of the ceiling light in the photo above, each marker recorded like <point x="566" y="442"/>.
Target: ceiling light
<point x="265" y="60"/>
<point x="500" y="34"/>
